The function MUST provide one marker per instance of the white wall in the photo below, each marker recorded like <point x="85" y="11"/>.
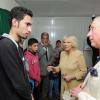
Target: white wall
<point x="8" y="4"/>
<point x="77" y="26"/>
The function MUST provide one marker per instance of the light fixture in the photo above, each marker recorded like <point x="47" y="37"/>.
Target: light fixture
<point x="52" y="21"/>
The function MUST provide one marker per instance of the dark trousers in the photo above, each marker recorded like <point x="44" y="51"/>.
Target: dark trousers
<point x="44" y="86"/>
<point x="36" y="93"/>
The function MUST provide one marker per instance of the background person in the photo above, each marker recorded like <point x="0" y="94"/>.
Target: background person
<point x="32" y="57"/>
<point x="54" y="78"/>
<point x="72" y="65"/>
<point x="45" y="53"/>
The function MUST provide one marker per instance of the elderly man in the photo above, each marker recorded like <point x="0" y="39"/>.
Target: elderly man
<point x="45" y="52"/>
<point x="90" y="89"/>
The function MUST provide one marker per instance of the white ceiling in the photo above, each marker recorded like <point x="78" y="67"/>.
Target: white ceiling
<point x="62" y="8"/>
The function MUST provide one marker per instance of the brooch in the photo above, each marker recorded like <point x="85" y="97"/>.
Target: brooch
<point x="93" y="71"/>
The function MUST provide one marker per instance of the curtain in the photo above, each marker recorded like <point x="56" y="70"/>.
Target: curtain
<point x="4" y="21"/>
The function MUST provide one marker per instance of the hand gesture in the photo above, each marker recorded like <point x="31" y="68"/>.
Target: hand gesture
<point x="50" y="68"/>
<point x="32" y="97"/>
<point x="76" y="90"/>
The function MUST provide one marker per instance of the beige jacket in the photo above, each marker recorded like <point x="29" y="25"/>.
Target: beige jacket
<point x="72" y="64"/>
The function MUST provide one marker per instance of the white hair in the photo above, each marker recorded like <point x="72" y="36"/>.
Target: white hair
<point x="73" y="40"/>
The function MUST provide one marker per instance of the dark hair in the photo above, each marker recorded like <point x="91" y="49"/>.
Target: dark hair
<point x="44" y="34"/>
<point x="93" y="17"/>
<point x="31" y="41"/>
<point x="19" y="13"/>
<point x="58" y="41"/>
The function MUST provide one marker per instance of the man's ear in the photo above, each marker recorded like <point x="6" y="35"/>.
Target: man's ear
<point x="14" y="22"/>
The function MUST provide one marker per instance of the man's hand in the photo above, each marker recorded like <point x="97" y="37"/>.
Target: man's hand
<point x="50" y="68"/>
<point x="32" y="97"/>
<point x="38" y="82"/>
<point x="76" y="91"/>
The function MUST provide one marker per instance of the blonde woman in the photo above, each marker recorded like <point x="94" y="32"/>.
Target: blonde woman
<point x="72" y="66"/>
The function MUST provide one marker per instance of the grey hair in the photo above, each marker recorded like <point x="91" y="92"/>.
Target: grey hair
<point x="73" y="40"/>
<point x="44" y="34"/>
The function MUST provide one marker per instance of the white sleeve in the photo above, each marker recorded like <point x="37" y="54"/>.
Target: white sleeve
<point x="85" y="96"/>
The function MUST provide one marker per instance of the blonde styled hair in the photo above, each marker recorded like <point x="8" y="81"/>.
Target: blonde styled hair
<point x="73" y="40"/>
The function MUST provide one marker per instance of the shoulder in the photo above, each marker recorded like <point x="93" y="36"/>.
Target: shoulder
<point x="79" y="55"/>
<point x="75" y="53"/>
<point x="28" y="54"/>
<point x="1" y="37"/>
<point x="4" y="41"/>
<point x="7" y="47"/>
<point x="63" y="53"/>
<point x="40" y="45"/>
<point x="78" y="52"/>
<point x="50" y="46"/>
